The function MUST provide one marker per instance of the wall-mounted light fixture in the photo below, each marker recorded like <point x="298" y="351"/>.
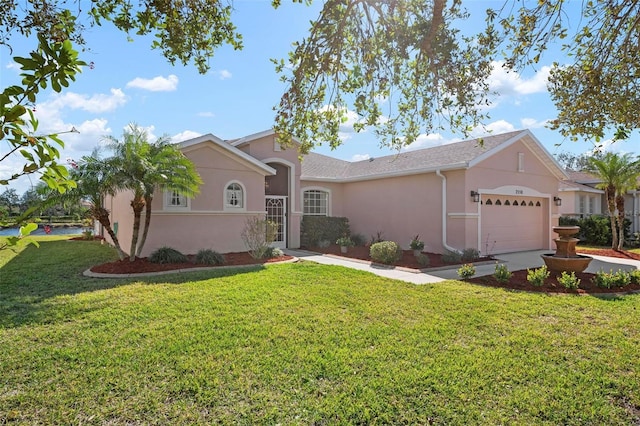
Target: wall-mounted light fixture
<point x="557" y="201"/>
<point x="475" y="196"/>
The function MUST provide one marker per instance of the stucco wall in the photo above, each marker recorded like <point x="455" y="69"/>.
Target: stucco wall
<point x="398" y="207"/>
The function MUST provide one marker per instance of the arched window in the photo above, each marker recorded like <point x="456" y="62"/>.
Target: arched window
<point x="315" y="203"/>
<point x="234" y="196"/>
<point x="489" y="202"/>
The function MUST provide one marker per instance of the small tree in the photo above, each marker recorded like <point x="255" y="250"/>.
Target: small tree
<point x="258" y="234"/>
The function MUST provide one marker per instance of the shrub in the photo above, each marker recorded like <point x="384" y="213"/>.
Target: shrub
<point x="314" y="229"/>
<point x="466" y="271"/>
<point x="209" y="257"/>
<point x="451" y="257"/>
<point x="258" y="234"/>
<point x="423" y="260"/>
<point x="416" y="243"/>
<point x="167" y="255"/>
<point x="611" y="279"/>
<point x="386" y="252"/>
<point x="273" y="252"/>
<point x="502" y="273"/>
<point x="569" y="280"/>
<point x="358" y="240"/>
<point x="634" y="276"/>
<point x="537" y="276"/>
<point x="470" y="254"/>
<point x="344" y="242"/>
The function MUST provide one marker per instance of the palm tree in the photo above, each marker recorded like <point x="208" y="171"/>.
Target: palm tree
<point x="144" y="167"/>
<point x="616" y="173"/>
<point x="93" y="177"/>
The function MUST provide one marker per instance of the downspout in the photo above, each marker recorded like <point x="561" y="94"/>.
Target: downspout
<point x="444" y="213"/>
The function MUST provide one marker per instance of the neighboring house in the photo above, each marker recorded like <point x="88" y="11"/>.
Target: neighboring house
<point x="581" y="198"/>
<point x="495" y="195"/>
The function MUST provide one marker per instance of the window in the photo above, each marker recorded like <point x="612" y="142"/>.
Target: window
<point x="234" y="196"/>
<point x="521" y="161"/>
<point x="581" y="204"/>
<point x="592" y="205"/>
<point x="316" y="203"/>
<point x="175" y="200"/>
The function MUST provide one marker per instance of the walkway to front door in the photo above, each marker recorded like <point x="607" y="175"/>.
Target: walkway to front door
<point x="276" y="207"/>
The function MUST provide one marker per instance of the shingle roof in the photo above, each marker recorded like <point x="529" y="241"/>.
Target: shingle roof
<point x="450" y="156"/>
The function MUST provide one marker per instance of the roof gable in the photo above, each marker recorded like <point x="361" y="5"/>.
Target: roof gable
<point x="228" y="149"/>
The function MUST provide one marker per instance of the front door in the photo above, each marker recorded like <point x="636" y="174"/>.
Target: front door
<point x="276" y="207"/>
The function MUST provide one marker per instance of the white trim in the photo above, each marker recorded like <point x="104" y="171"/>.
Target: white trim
<point x="521" y="162"/>
<point x="230" y="208"/>
<point x="206" y="213"/>
<point x="514" y="190"/>
<point x="167" y="195"/>
<point x="444" y="213"/>
<point x="464" y="215"/>
<point x="250" y="138"/>
<point x="316" y="188"/>
<point x="418" y="171"/>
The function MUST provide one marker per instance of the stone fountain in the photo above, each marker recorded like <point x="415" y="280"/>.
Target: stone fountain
<point x="565" y="257"/>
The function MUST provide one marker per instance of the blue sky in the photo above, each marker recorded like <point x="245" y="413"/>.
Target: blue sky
<point x="130" y="83"/>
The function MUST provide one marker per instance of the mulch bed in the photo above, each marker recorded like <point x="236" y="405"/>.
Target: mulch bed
<point x="142" y="265"/>
<point x="519" y="281"/>
<point x="408" y="260"/>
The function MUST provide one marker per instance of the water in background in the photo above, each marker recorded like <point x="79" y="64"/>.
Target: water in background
<point x="57" y="230"/>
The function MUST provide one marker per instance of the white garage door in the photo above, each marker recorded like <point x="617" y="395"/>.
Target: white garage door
<point x="509" y="223"/>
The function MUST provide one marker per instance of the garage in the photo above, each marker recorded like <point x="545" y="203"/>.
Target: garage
<point x="510" y="223"/>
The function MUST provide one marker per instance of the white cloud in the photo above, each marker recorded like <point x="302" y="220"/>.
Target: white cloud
<point x="532" y="123"/>
<point x="224" y="74"/>
<point x="495" y="128"/>
<point x="186" y="135"/>
<point x="13" y="66"/>
<point x="360" y="157"/>
<point x="507" y="83"/>
<point x="156" y="84"/>
<point x="207" y="114"/>
<point x="96" y="103"/>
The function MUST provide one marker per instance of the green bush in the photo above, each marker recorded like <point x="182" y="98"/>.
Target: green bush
<point x="594" y="229"/>
<point x="569" y="280"/>
<point x="386" y="252"/>
<point x="452" y="257"/>
<point x="209" y="257"/>
<point x="423" y="260"/>
<point x="167" y="255"/>
<point x="634" y="276"/>
<point x="502" y="273"/>
<point x="612" y="279"/>
<point x="258" y="234"/>
<point x="344" y="242"/>
<point x="538" y="276"/>
<point x="470" y="254"/>
<point x="273" y="252"/>
<point x="315" y="229"/>
<point x="466" y="271"/>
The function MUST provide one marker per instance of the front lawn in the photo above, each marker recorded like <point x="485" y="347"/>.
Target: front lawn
<point x="302" y="344"/>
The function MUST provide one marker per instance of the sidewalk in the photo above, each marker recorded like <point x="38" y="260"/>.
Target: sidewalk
<point x="514" y="261"/>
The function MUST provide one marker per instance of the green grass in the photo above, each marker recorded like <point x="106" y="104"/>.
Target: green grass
<point x="302" y="344"/>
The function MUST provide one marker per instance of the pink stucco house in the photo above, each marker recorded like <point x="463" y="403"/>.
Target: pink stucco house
<point x="496" y="197"/>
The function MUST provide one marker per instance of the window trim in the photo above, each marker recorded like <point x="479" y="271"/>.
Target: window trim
<point x="229" y="207"/>
<point x="326" y="191"/>
<point x="168" y="195"/>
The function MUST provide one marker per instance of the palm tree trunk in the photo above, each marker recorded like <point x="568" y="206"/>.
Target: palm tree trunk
<point x="102" y="216"/>
<point x="610" y="194"/>
<point x="147" y="222"/>
<point x="620" y="208"/>
<point x="137" y="204"/>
